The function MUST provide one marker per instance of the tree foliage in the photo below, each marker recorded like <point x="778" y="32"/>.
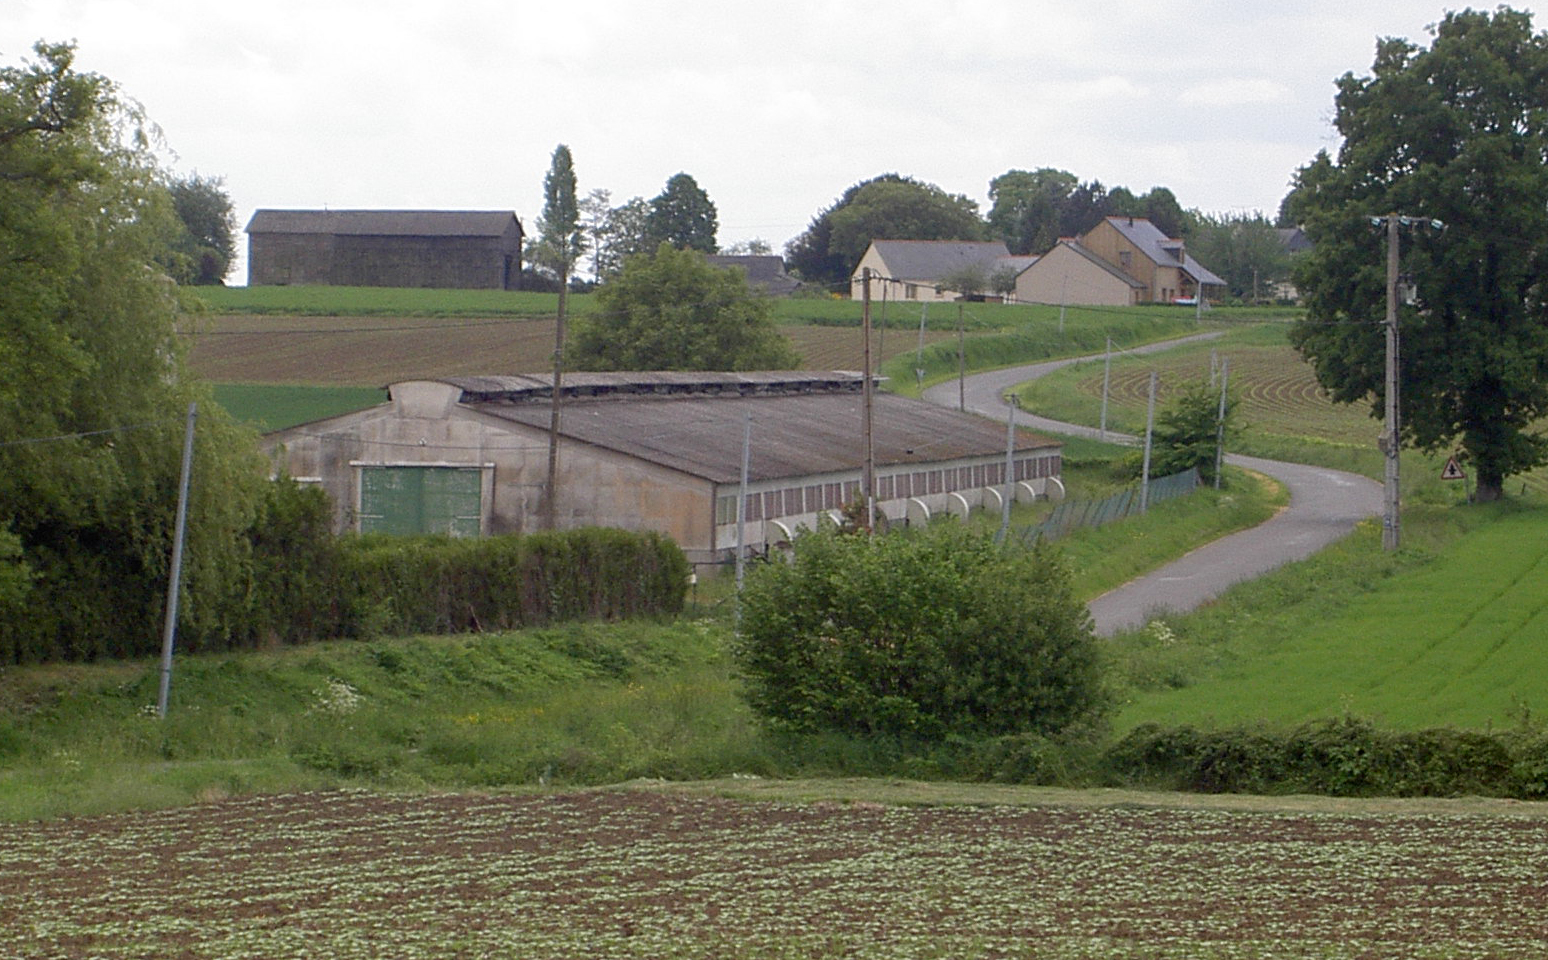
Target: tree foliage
<point x="1031" y="210"/>
<point x="560" y="238"/>
<point x="1189" y="430"/>
<point x="920" y="634"/>
<point x="901" y="210"/>
<point x="92" y="386"/>
<point x="671" y="310"/>
<point x="1458" y="133"/>
<point x="1243" y="249"/>
<point x="207" y="245"/>
<point x="682" y="215"/>
<point x="887" y="207"/>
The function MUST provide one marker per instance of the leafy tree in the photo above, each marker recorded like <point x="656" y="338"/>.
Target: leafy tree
<point x="756" y="247"/>
<point x="1456" y="133"/>
<point x="1245" y="250"/>
<point x="93" y="389"/>
<point x="1158" y="205"/>
<point x="970" y="280"/>
<point x="683" y="216"/>
<point x="559" y="246"/>
<point x="1189" y="429"/>
<point x="671" y="310"/>
<point x="614" y="233"/>
<point x="919" y="634"/>
<point x="901" y="210"/>
<point x="1027" y="208"/>
<point x="810" y="255"/>
<point x="208" y="241"/>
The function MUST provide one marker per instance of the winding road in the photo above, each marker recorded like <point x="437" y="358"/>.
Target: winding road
<point x="1324" y="506"/>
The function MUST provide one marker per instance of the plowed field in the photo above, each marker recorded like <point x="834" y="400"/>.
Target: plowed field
<point x="372" y="351"/>
<point x="631" y="874"/>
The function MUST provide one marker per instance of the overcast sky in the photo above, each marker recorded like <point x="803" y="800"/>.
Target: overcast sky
<point x="774" y="107"/>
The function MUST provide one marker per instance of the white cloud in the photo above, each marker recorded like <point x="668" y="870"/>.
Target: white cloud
<point x="1236" y="93"/>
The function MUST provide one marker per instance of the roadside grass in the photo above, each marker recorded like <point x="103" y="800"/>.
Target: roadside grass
<point x="1445" y="632"/>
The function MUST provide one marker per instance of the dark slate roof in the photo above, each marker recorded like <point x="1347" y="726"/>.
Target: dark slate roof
<point x="386" y="223"/>
<point x="802" y="423"/>
<point x="930" y="260"/>
<point x="1161" y="248"/>
<point x="1294" y="239"/>
<point x="766" y="271"/>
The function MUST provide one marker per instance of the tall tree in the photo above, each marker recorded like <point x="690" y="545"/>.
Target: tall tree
<point x="901" y="210"/>
<point x="811" y="256"/>
<point x="560" y="243"/>
<point x="1027" y="208"/>
<point x="208" y="241"/>
<point x="1243" y="249"/>
<point x="683" y="216"/>
<point x="671" y="310"/>
<point x="93" y="389"/>
<point x="1458" y="133"/>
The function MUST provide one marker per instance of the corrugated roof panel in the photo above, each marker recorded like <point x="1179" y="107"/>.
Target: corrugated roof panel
<point x="792" y="435"/>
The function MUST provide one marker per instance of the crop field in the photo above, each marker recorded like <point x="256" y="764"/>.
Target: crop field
<point x="369" y="351"/>
<point x="621" y="874"/>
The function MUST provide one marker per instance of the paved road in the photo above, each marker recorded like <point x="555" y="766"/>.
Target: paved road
<point x="1324" y="506"/>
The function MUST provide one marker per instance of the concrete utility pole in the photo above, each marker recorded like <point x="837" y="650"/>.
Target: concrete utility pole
<point x="1150" y="429"/>
<point x="1391" y="442"/>
<point x="868" y="476"/>
<point x="175" y="580"/>
<point x="1391" y="537"/>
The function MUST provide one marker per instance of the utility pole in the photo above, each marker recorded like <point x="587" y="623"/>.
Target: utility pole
<point x="1391" y="537"/>
<point x="1391" y="442"/>
<point x="961" y="364"/>
<point x="1150" y="429"/>
<point x="1107" y="376"/>
<point x="175" y="579"/>
<point x="868" y="476"/>
<point x="1220" y="418"/>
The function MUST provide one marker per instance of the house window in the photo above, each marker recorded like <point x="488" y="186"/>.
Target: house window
<point x="911" y="291"/>
<point x="1125" y="259"/>
<point x="421" y="499"/>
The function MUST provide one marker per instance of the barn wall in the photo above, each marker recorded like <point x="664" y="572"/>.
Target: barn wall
<point x="456" y="262"/>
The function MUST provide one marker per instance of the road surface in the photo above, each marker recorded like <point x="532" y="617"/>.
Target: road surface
<point x="1324" y="506"/>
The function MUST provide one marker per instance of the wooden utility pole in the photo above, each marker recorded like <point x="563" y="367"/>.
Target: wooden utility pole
<point x="551" y="488"/>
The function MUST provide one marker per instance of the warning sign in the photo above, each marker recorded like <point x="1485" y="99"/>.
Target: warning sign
<point x="1453" y="470"/>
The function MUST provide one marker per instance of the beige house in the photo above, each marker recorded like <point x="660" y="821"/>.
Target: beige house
<point x="915" y="269"/>
<point x="655" y="451"/>
<point x="1140" y="250"/>
<point x="1069" y="273"/>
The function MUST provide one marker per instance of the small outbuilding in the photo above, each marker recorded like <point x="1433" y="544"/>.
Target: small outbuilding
<point x="455" y="249"/>
<point x="656" y="451"/>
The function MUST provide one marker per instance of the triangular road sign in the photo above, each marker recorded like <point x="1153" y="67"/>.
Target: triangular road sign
<point x="1453" y="470"/>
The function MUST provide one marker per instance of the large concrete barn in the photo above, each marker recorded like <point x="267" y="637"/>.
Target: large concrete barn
<point x="458" y="249"/>
<point x="654" y="451"/>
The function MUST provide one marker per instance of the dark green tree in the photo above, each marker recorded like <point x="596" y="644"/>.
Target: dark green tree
<point x="1243" y="249"/>
<point x="93" y="390"/>
<point x="1189" y="430"/>
<point x="683" y="216"/>
<point x="918" y="635"/>
<point x="208" y="241"/>
<point x="901" y="210"/>
<point x="1027" y="208"/>
<point x="811" y="256"/>
<point x="671" y="310"/>
<point x="559" y="246"/>
<point x="1458" y="133"/>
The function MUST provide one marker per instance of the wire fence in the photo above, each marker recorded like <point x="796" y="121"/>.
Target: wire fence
<point x="1075" y="515"/>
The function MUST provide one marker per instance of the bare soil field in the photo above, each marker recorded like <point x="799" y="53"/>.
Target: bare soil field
<point x="659" y="874"/>
<point x="374" y="351"/>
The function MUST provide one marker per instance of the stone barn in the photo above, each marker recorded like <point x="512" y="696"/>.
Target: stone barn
<point x="656" y="451"/>
<point x="458" y="249"/>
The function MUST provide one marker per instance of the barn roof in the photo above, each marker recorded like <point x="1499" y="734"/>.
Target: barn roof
<point x="803" y="423"/>
<point x="933" y="259"/>
<point x="386" y="223"/>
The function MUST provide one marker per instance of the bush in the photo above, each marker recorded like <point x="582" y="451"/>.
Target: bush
<point x="919" y="635"/>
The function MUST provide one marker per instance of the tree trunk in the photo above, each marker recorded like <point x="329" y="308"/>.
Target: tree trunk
<point x="1491" y="487"/>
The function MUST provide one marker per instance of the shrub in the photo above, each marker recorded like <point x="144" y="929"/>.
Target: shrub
<point x="920" y="634"/>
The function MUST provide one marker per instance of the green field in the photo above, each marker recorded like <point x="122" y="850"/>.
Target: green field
<point x="1455" y="641"/>
<point x="268" y="407"/>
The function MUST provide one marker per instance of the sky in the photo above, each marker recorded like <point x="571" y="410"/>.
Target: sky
<point x="774" y="108"/>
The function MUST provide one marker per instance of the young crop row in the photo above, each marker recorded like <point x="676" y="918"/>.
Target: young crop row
<point x="619" y="874"/>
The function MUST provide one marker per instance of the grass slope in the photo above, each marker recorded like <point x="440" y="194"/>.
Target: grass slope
<point x="1446" y="633"/>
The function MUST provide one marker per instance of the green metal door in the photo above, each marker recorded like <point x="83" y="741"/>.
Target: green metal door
<point x="407" y="500"/>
